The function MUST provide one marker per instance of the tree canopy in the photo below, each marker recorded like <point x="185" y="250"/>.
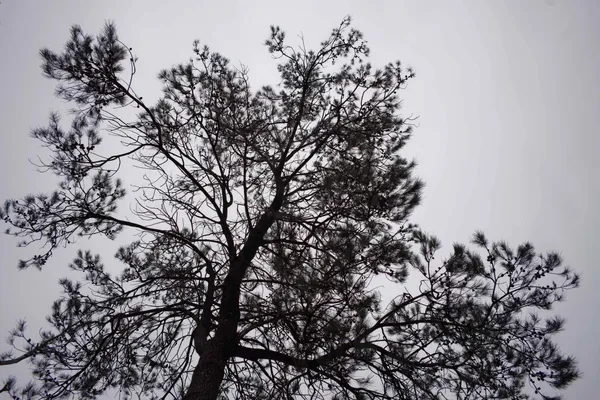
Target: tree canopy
<point x="264" y="219"/>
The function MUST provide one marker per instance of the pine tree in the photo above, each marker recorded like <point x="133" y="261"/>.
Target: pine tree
<point x="263" y="218"/>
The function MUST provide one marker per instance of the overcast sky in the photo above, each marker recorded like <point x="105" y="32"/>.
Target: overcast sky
<point x="507" y="95"/>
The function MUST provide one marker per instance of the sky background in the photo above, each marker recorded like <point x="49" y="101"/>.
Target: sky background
<point x="507" y="95"/>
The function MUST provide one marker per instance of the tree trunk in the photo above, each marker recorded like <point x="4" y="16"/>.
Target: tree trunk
<point x="209" y="372"/>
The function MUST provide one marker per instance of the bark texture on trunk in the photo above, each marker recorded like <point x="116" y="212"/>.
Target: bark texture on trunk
<point x="208" y="374"/>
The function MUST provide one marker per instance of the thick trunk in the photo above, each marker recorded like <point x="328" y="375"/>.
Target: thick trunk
<point x="209" y="371"/>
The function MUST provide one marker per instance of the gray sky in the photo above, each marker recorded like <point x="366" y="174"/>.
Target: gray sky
<point x="507" y="94"/>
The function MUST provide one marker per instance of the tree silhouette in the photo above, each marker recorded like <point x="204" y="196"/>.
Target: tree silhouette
<point x="263" y="217"/>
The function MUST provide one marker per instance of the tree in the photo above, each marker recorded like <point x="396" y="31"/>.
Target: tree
<point x="263" y="218"/>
